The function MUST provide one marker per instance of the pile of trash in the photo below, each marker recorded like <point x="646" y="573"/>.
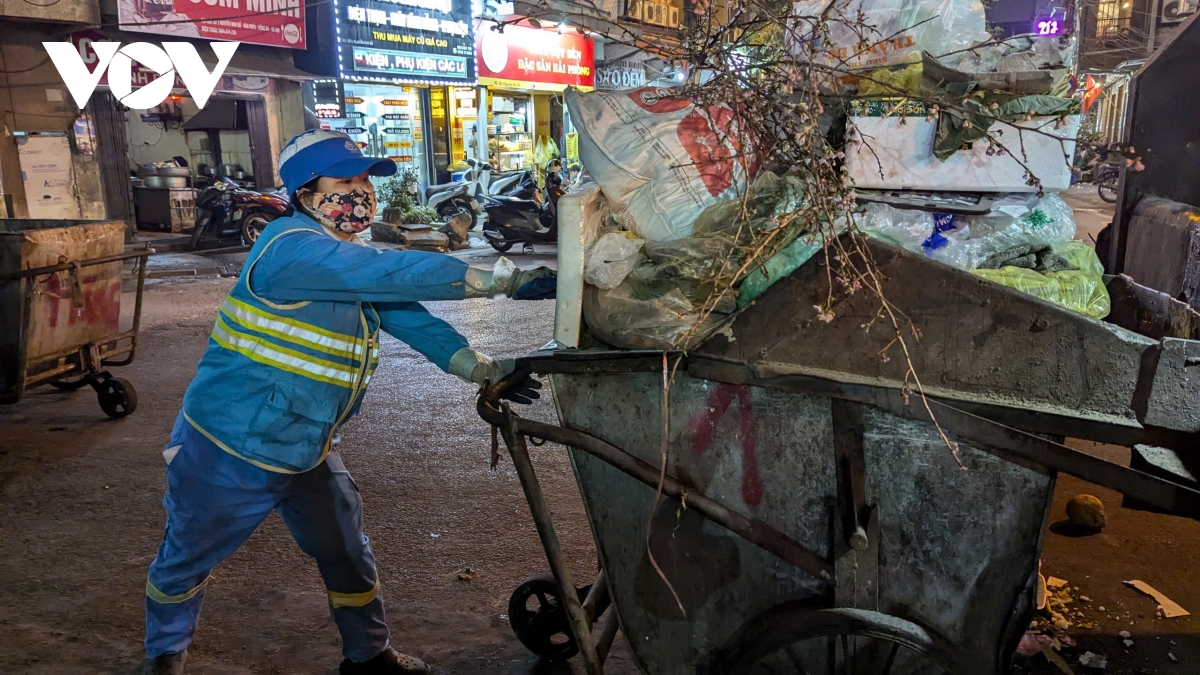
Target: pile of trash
<point x="693" y="229"/>
<point x="1024" y="242"/>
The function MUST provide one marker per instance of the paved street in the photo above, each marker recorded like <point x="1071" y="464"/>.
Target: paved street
<point x="81" y="516"/>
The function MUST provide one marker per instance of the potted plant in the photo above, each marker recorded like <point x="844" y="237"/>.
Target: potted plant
<point x="404" y="221"/>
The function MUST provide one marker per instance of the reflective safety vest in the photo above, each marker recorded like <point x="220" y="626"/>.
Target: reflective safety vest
<point x="277" y="380"/>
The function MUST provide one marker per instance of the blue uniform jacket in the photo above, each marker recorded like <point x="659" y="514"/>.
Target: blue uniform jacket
<point x="296" y="340"/>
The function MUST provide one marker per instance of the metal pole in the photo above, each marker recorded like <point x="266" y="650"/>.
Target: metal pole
<point x="481" y="123"/>
<point x="545" y="527"/>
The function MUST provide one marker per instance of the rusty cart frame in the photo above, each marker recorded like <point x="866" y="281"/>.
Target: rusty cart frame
<point x="83" y="364"/>
<point x="1141" y="393"/>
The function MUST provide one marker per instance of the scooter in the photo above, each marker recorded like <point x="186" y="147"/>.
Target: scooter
<point x="227" y="214"/>
<point x="523" y="216"/>
<point x="449" y="199"/>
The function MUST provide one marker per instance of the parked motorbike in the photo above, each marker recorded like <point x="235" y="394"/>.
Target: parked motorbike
<point x="227" y="214"/>
<point x="524" y="216"/>
<point x="449" y="199"/>
<point x="1107" y="178"/>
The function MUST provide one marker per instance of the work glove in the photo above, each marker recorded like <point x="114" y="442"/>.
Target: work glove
<point x="474" y="367"/>
<point x="505" y="278"/>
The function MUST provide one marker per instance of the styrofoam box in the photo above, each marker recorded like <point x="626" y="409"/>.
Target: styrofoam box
<point x="896" y="156"/>
<point x="580" y="217"/>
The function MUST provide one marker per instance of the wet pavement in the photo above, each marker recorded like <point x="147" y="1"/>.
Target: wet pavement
<point x="81" y="516"/>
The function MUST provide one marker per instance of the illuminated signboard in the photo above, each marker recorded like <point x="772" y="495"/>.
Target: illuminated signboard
<point x="530" y="58"/>
<point x="326" y="96"/>
<point x="406" y="40"/>
<point x="1049" y="26"/>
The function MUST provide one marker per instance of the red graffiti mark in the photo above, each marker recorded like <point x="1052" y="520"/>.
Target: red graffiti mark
<point x="101" y="303"/>
<point x="704" y="425"/>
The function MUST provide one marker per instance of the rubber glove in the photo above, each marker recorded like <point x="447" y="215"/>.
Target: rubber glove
<point x="478" y="368"/>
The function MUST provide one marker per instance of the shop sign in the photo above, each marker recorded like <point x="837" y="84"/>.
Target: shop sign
<point x="140" y="75"/>
<point x="620" y="75"/>
<point x="353" y="130"/>
<point x="424" y="40"/>
<point x="327" y="99"/>
<point x="531" y="58"/>
<point x="401" y="158"/>
<point x="353" y="100"/>
<point x="355" y="115"/>
<point x="362" y="145"/>
<point x="572" y="145"/>
<point x="398" y="144"/>
<point x="397" y="131"/>
<point x="395" y="101"/>
<point x="277" y="23"/>
<point x="664" y="14"/>
<point x="396" y="117"/>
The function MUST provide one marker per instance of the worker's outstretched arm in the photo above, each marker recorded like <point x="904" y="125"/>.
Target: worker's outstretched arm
<point x="309" y="265"/>
<point x="412" y="324"/>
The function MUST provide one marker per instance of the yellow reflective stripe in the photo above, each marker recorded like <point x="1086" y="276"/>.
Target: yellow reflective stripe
<point x="257" y="349"/>
<point x="240" y="456"/>
<point x="158" y="596"/>
<point x="354" y="599"/>
<point x="288" y="329"/>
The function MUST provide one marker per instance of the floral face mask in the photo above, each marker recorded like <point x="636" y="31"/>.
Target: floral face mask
<point x="348" y="211"/>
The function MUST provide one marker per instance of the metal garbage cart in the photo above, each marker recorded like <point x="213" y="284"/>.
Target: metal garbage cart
<point x="60" y="309"/>
<point x="817" y="520"/>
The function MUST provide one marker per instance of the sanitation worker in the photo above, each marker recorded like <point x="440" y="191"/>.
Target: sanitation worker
<point x="288" y="362"/>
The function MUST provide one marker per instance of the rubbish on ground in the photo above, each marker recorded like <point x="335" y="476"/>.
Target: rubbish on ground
<point x="1172" y="657"/>
<point x="1125" y="634"/>
<point x="465" y="574"/>
<point x="1094" y="660"/>
<point x="1087" y="511"/>
<point x="1128" y="642"/>
<point x="1055" y="659"/>
<point x="1054" y="583"/>
<point x="1169" y="608"/>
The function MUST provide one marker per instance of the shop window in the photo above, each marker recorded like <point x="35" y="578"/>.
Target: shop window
<point x="385" y="121"/>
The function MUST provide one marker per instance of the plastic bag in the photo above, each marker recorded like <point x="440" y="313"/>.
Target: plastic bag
<point x="777" y="267"/>
<point x="619" y="318"/>
<point x="966" y="241"/>
<point x="1079" y="290"/>
<point x="611" y="259"/>
<point x="897" y="30"/>
<point x="907" y="228"/>
<point x="1045" y="222"/>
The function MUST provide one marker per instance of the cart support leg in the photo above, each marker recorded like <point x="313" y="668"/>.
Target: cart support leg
<point x="597" y="598"/>
<point x="608" y="633"/>
<point x="580" y="627"/>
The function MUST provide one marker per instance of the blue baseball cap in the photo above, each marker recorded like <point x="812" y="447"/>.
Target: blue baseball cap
<point x="320" y="152"/>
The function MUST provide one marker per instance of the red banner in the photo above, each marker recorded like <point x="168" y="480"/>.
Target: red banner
<point x="532" y="58"/>
<point x="141" y="75"/>
<point x="278" y="23"/>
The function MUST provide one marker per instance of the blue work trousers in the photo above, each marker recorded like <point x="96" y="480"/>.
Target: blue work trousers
<point x="215" y="501"/>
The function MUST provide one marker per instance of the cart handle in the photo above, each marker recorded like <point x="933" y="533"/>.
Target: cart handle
<point x="50" y="269"/>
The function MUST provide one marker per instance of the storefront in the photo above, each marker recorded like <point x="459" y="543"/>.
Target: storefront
<point x="254" y="107"/>
<point x="522" y="74"/>
<point x="396" y="76"/>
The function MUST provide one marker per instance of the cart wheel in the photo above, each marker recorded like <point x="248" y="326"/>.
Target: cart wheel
<point x="798" y="640"/>
<point x="539" y="620"/>
<point x="117" y="397"/>
<point x="70" y="383"/>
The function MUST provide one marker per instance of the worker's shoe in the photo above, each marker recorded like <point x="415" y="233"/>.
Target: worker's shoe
<point x="167" y="664"/>
<point x="389" y="662"/>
